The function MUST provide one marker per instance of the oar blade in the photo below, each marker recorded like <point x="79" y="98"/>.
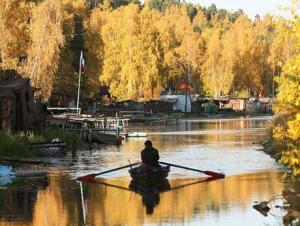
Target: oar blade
<point x="214" y="174"/>
<point x="209" y="173"/>
<point x="88" y="177"/>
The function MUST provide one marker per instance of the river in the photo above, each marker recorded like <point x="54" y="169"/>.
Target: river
<point x="229" y="146"/>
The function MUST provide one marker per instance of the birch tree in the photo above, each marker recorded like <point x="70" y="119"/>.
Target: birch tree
<point x="43" y="55"/>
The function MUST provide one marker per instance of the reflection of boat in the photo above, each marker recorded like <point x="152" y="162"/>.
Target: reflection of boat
<point x="150" y="193"/>
<point x="139" y="188"/>
<point x="149" y="175"/>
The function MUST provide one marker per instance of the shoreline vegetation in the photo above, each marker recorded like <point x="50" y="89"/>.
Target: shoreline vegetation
<point x="283" y="138"/>
<point x="17" y="145"/>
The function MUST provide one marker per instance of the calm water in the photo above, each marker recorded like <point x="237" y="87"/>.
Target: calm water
<point x="54" y="197"/>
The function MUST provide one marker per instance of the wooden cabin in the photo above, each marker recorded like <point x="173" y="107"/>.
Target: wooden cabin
<point x="18" y="111"/>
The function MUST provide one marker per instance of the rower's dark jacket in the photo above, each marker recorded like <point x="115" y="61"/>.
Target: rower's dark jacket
<point x="150" y="156"/>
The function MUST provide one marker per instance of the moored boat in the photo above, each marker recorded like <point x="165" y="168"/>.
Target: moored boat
<point x="148" y="175"/>
<point x="105" y="138"/>
<point x="136" y="134"/>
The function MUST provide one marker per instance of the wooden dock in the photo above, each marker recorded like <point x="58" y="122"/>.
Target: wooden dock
<point x="107" y="130"/>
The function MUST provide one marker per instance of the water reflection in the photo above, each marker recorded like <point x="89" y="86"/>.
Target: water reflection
<point x="57" y="200"/>
<point x="199" y="203"/>
<point x="151" y="194"/>
<point x="230" y="143"/>
<point x="17" y="201"/>
<point x="239" y="131"/>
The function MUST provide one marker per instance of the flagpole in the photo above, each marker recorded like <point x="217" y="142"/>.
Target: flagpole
<point x="79" y="80"/>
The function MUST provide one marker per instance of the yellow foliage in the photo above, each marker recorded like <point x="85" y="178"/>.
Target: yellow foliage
<point x="14" y="35"/>
<point x="294" y="129"/>
<point x="279" y="133"/>
<point x="292" y="160"/>
<point x="288" y="101"/>
<point x="43" y="54"/>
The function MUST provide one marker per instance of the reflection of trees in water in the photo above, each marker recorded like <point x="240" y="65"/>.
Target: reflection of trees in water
<point x="120" y="207"/>
<point x="18" y="200"/>
<point x="48" y="200"/>
<point x="59" y="203"/>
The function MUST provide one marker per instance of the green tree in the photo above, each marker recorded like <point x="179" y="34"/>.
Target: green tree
<point x="161" y="5"/>
<point x="66" y="79"/>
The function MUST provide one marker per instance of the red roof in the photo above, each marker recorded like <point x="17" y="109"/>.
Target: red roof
<point x="182" y="86"/>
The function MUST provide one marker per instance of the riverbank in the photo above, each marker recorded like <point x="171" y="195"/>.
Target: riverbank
<point x="278" y="146"/>
<point x="33" y="146"/>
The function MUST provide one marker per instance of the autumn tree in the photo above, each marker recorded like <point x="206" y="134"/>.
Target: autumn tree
<point x="174" y="26"/>
<point x="14" y="34"/>
<point x="46" y="39"/>
<point x="265" y="31"/>
<point x="247" y="58"/>
<point x="288" y="100"/>
<point x="120" y="69"/>
<point x="217" y="68"/>
<point x="150" y="54"/>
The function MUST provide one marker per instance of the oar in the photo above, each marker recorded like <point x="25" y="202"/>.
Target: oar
<point x="210" y="173"/>
<point x="93" y="175"/>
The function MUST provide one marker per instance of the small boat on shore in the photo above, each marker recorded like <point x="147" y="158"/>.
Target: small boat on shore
<point x="149" y="175"/>
<point x="6" y="175"/>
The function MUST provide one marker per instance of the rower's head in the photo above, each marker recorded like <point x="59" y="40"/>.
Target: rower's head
<point x="148" y="143"/>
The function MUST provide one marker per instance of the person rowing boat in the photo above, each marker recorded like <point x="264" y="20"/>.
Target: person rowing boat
<point x="150" y="170"/>
<point x="149" y="154"/>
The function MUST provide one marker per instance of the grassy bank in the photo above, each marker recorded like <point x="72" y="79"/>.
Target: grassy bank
<point x="15" y="144"/>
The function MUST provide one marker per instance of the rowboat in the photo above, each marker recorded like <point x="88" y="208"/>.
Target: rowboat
<point x="149" y="175"/>
<point x="105" y="138"/>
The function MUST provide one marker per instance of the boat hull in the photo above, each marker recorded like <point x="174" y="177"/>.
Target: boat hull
<point x="148" y="175"/>
<point x="105" y="138"/>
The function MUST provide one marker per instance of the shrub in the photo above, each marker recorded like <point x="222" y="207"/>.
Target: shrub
<point x="210" y="107"/>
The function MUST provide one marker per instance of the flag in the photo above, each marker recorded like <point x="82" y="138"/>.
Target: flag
<point x="81" y="63"/>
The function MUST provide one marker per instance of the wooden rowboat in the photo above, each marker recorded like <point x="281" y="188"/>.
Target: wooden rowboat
<point x="149" y="175"/>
